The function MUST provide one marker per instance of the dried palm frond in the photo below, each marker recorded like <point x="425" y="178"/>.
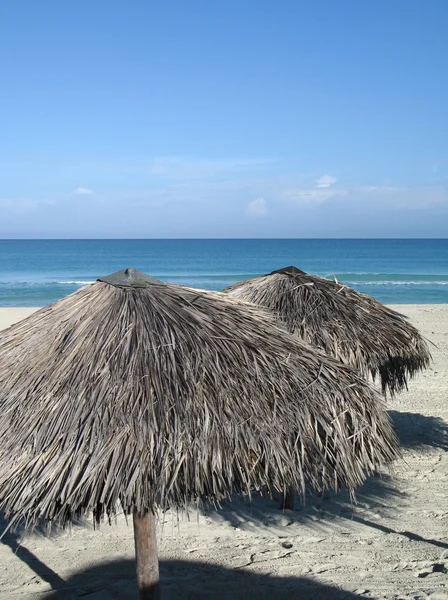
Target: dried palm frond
<point x="142" y="394"/>
<point x="353" y="327"/>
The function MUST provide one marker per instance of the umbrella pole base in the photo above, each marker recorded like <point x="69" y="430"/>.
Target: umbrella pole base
<point x="288" y="499"/>
<point x="146" y="556"/>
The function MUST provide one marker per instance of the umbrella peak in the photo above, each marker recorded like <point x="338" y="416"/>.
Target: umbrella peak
<point x="288" y="271"/>
<point x="129" y="277"/>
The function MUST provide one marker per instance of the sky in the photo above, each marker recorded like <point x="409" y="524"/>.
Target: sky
<point x="240" y="118"/>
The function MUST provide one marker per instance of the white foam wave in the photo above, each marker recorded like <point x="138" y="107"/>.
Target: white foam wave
<point x="388" y="282"/>
<point x="74" y="282"/>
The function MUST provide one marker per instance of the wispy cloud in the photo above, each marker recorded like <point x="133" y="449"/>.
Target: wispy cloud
<point x="377" y="198"/>
<point x="370" y="198"/>
<point x="188" y="196"/>
<point x="379" y="189"/>
<point x="311" y="195"/>
<point x="83" y="191"/>
<point x="257" y="208"/>
<point x="415" y="198"/>
<point x="325" y="181"/>
<point x="183" y="167"/>
<point x="18" y="206"/>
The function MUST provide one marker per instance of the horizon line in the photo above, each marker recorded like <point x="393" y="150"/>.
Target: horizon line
<point x="54" y="239"/>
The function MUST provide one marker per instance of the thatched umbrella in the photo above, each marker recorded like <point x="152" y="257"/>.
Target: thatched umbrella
<point x="353" y="327"/>
<point x="142" y="394"/>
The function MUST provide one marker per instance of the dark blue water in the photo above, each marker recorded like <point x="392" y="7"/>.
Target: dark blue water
<point x="36" y="272"/>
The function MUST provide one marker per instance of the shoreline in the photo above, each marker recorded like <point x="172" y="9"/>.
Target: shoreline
<point x="11" y="315"/>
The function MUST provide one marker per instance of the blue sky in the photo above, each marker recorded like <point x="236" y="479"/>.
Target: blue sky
<point x="224" y="119"/>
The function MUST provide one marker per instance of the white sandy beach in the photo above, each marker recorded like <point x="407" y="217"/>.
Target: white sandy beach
<point x="393" y="544"/>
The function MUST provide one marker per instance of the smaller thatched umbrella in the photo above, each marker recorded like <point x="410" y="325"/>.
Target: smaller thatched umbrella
<point x="142" y="394"/>
<point x="353" y="327"/>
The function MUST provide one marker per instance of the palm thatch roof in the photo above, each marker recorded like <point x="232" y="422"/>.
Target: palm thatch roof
<point x="135" y="392"/>
<point x="353" y="327"/>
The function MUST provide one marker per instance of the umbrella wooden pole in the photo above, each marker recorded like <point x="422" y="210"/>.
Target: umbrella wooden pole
<point x="146" y="556"/>
<point x="288" y="499"/>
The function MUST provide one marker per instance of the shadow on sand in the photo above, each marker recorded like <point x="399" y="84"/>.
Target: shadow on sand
<point x="185" y="579"/>
<point x="265" y="512"/>
<point x="415" y="430"/>
<point x="182" y="580"/>
<point x="13" y="539"/>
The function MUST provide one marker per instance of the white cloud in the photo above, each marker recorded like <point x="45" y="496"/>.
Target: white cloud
<point x="325" y="181"/>
<point x="257" y="208"/>
<point x="83" y="191"/>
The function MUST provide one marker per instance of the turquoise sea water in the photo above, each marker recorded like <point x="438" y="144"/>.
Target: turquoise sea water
<point x="37" y="272"/>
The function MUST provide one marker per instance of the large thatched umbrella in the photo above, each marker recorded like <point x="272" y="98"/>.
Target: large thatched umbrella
<point x="142" y="394"/>
<point x="355" y="328"/>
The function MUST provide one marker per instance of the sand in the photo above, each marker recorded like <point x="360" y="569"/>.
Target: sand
<point x="392" y="544"/>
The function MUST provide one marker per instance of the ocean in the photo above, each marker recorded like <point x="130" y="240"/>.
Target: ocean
<point x="37" y="272"/>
